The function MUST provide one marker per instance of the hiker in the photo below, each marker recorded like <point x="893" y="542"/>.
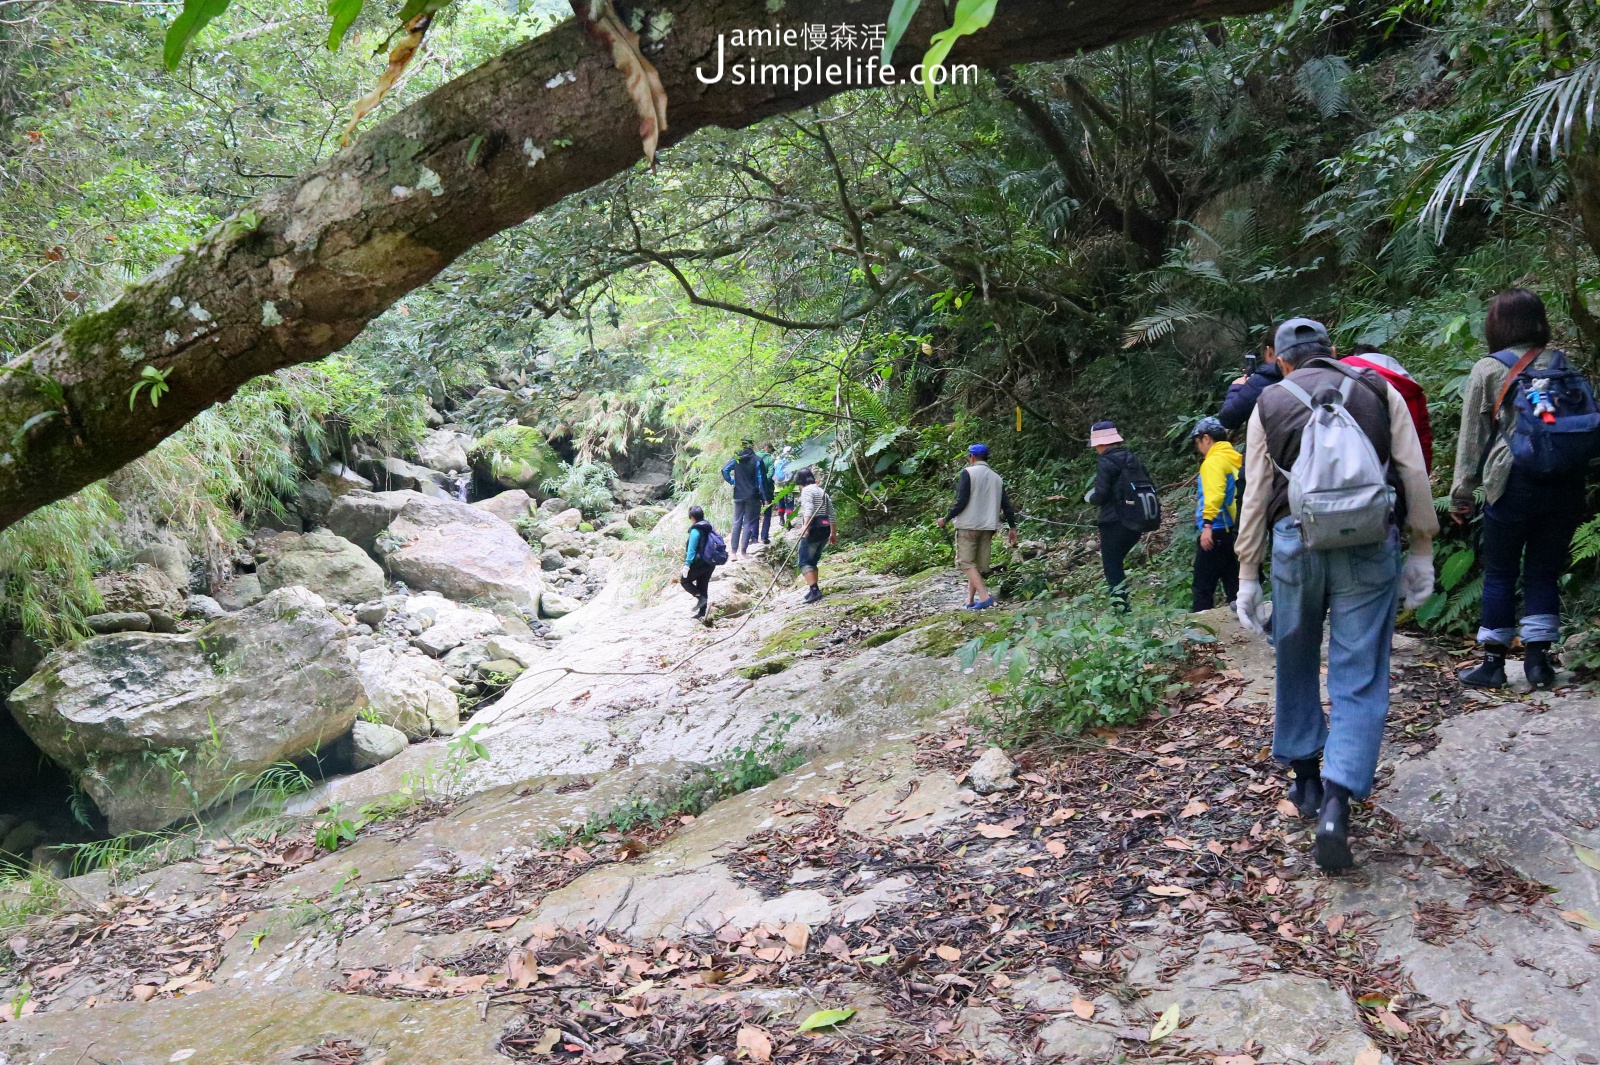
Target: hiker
<point x="769" y="487"/>
<point x="1531" y="508"/>
<point x="744" y="472"/>
<point x="700" y="553"/>
<point x="1402" y="382"/>
<point x="783" y="479"/>
<point x="1332" y="519"/>
<point x="1246" y="390"/>
<point x="1129" y="506"/>
<point x="816" y="529"/>
<point x="1216" y="515"/>
<point x="981" y="502"/>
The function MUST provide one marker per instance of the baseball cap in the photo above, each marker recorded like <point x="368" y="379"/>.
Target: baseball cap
<point x="1209" y="426"/>
<point x="978" y="449"/>
<point x="1298" y="333"/>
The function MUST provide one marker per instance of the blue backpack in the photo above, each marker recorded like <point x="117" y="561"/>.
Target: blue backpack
<point x="715" y="549"/>
<point x="1557" y="427"/>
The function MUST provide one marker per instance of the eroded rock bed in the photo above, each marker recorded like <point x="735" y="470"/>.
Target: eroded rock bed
<point x="548" y="903"/>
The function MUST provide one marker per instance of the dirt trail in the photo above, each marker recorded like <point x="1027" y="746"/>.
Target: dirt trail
<point x="1143" y="874"/>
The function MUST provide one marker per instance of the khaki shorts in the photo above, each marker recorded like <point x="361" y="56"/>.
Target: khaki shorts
<point x="972" y="548"/>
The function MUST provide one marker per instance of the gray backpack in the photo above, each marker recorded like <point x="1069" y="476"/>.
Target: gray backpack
<point x="1338" y="490"/>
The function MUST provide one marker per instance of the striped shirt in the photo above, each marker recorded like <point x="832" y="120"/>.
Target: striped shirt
<point x="814" y="502"/>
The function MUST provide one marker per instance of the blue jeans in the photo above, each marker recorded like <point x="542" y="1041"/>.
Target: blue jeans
<point x="1528" y="532"/>
<point x="1356" y="589"/>
<point x="810" y="553"/>
<point x="746" y="517"/>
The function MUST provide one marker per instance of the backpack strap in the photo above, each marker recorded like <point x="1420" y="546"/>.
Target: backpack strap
<point x="1297" y="392"/>
<point x="1517" y="369"/>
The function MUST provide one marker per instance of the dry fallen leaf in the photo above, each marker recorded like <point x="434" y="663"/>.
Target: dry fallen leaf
<point x="1215" y="847"/>
<point x="1169" y="890"/>
<point x="1056" y="848"/>
<point x="754" y="1042"/>
<point x="1233" y="1059"/>
<point x="1287" y="808"/>
<point x="1194" y="809"/>
<point x="503" y="922"/>
<point x="1392" y="1024"/>
<point x="1336" y="924"/>
<point x="399" y="59"/>
<point x="1522" y="1035"/>
<point x="1082" y="1006"/>
<point x="1369" y="1056"/>
<point x="995" y="831"/>
<point x="1091" y="957"/>
<point x="1581" y="917"/>
<point x="1177" y="843"/>
<point x="797" y="936"/>
<point x="947" y="952"/>
<point x="1587" y="855"/>
<point x="1166" y="1024"/>
<point x="547" y="1042"/>
<point x="643" y="82"/>
<point x="143" y="992"/>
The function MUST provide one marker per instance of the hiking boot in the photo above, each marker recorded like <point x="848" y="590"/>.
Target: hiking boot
<point x="1333" y="830"/>
<point x="1305" y="790"/>
<point x="1537" y="667"/>
<point x="701" y="602"/>
<point x="1491" y="672"/>
<point x="812" y="594"/>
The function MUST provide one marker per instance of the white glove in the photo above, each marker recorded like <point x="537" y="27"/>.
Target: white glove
<point x="1252" y="609"/>
<point x="1416" y="580"/>
<point x="1088" y="497"/>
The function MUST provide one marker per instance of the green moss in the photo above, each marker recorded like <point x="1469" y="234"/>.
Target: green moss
<point x="877" y="639"/>
<point x="944" y="635"/>
<point x="793" y="637"/>
<point x="765" y="668"/>
<point x="517" y="456"/>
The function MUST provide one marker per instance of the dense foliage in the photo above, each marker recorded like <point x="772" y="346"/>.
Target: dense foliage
<point x="876" y="281"/>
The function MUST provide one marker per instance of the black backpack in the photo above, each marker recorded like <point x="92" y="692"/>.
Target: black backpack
<point x="1138" y="504"/>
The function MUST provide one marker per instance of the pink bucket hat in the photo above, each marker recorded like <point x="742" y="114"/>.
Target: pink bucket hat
<point x="1103" y="433"/>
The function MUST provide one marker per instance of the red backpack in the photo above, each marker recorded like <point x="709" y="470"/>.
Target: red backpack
<point x="1411" y="392"/>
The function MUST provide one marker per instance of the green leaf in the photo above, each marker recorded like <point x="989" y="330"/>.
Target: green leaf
<point x="971" y="16"/>
<point x="1167" y="1024"/>
<point x="343" y="13"/>
<point x="193" y="19"/>
<point x="1429" y="611"/>
<point x="1587" y="855"/>
<point x="826" y="1019"/>
<point x="1455" y="568"/>
<point x="900" y="15"/>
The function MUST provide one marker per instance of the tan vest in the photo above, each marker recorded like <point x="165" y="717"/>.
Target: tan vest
<point x="983" y="506"/>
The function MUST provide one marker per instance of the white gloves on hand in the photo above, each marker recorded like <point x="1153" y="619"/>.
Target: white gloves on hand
<point x="1416" y="580"/>
<point x="1088" y="497"/>
<point x="1252" y="609"/>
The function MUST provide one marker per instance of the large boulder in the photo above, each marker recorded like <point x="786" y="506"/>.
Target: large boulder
<point x="373" y="743"/>
<point x="171" y="558"/>
<point x="515" y="456"/>
<point x="445" y="451"/>
<point x="315" y="500"/>
<point x="157" y="727"/>
<point x="236" y="593"/>
<point x="461" y="552"/>
<point x="408" y="692"/>
<point x="140" y="588"/>
<point x="400" y="474"/>
<point x="360" y="516"/>
<point x="322" y="561"/>
<point x="511" y="505"/>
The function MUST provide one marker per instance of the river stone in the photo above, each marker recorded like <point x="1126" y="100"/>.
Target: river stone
<point x="375" y="743"/>
<point x="118" y="621"/>
<point x="402" y="475"/>
<point x="568" y="519"/>
<point x="138" y="588"/>
<point x="240" y="592"/>
<point x="554" y="505"/>
<point x="445" y="451"/>
<point x="992" y="772"/>
<point x="408" y="692"/>
<point x="203" y="607"/>
<point x="322" y="561"/>
<point x="372" y="614"/>
<point x="556" y="605"/>
<point x="315" y="500"/>
<point x="519" y="651"/>
<point x="509" y="506"/>
<point x="270" y="682"/>
<point x="458" y="550"/>
<point x="552" y="560"/>
<point x="360" y="516"/>
<point x="172" y="559"/>
<point x="448" y="625"/>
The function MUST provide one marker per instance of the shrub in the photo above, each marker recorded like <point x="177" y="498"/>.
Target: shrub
<point x="909" y="549"/>
<point x="586" y="486"/>
<point x="1080" y="667"/>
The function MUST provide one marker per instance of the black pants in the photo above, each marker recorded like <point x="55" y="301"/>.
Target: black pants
<point x="766" y="524"/>
<point x="698" y="582"/>
<point x="1115" y="543"/>
<point x="1218" y="564"/>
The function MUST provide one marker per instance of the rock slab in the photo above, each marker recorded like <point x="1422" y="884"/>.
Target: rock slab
<point x="324" y="562"/>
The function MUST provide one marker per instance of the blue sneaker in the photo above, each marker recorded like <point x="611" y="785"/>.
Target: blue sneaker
<point x="983" y="604"/>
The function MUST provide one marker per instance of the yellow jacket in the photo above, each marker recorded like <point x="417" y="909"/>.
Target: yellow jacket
<point x="1219" y="487"/>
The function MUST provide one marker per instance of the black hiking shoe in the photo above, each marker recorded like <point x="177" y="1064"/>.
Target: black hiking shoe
<point x="1491" y="672"/>
<point x="1333" y="830"/>
<point x="1305" y="790"/>
<point x="813" y="594"/>
<point x="701" y="602"/>
<point x="1537" y="667"/>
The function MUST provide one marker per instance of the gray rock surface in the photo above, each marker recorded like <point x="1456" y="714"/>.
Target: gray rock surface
<point x="171" y="558"/>
<point x="568" y="519"/>
<point x="408" y="692"/>
<point x="140" y="587"/>
<point x="447" y="625"/>
<point x="324" y="562"/>
<point x="375" y="744"/>
<point x="118" y="621"/>
<point x="401" y="475"/>
<point x="556" y="605"/>
<point x="315" y="500"/>
<point x="203" y="607"/>
<point x="444" y="451"/>
<point x="993" y="771"/>
<point x="460" y="551"/>
<point x="219" y="705"/>
<point x="360" y="516"/>
<point x="509" y="506"/>
<point x="239" y="592"/>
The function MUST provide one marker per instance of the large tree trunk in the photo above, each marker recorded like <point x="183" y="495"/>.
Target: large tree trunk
<point x="301" y="272"/>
